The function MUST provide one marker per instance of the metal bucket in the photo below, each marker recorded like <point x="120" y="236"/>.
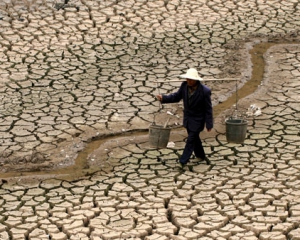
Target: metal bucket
<point x="236" y="130"/>
<point x="159" y="136"/>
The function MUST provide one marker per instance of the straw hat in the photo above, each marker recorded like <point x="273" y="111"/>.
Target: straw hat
<point x="191" y="73"/>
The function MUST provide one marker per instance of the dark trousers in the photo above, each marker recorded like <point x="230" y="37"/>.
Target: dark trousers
<point x="193" y="144"/>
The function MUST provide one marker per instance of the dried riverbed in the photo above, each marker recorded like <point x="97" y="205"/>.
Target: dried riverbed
<point x="76" y="77"/>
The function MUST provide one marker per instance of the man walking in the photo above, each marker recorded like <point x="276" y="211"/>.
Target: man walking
<point x="198" y="113"/>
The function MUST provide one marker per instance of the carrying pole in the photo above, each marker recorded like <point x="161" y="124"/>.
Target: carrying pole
<point x="208" y="79"/>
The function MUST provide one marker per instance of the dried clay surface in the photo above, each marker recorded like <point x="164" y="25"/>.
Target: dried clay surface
<point x="77" y="96"/>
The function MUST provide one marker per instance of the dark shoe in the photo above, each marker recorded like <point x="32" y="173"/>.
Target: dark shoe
<point x="182" y="165"/>
<point x="207" y="161"/>
<point x="203" y="159"/>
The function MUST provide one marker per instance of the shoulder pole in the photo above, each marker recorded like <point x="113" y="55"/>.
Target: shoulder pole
<point x="204" y="80"/>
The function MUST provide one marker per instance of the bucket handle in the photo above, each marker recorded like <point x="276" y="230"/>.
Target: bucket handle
<point x="166" y="123"/>
<point x="237" y="115"/>
<point x="159" y="102"/>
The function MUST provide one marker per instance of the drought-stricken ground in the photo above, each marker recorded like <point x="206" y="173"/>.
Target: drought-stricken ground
<point x="77" y="71"/>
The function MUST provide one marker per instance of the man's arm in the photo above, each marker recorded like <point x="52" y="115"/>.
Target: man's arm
<point x="173" y="97"/>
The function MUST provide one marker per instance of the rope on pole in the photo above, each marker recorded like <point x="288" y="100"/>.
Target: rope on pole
<point x="157" y="87"/>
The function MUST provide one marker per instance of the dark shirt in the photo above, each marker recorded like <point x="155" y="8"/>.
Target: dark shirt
<point x="197" y="106"/>
<point x="191" y="91"/>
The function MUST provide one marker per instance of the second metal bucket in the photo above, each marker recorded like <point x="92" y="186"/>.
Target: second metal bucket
<point x="159" y="136"/>
<point x="236" y="130"/>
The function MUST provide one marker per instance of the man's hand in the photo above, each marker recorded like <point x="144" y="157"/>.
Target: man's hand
<point x="159" y="97"/>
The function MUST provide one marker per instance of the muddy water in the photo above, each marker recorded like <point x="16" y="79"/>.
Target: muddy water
<point x="80" y="168"/>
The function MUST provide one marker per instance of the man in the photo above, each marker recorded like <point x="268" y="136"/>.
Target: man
<point x="198" y="113"/>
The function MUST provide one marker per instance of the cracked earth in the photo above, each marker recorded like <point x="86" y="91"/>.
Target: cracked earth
<point x="77" y="84"/>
